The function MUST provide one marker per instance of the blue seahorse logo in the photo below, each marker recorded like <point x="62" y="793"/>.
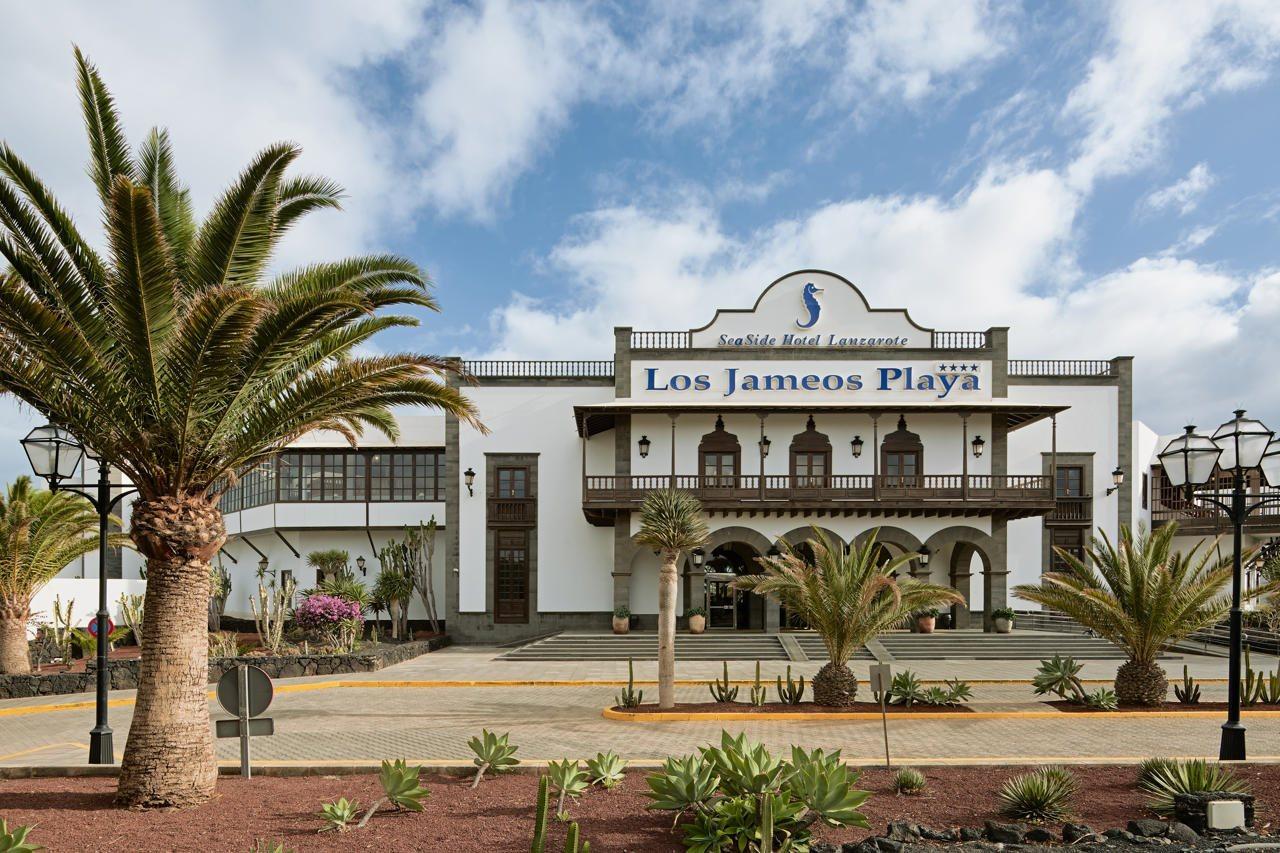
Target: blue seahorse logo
<point x="811" y="305"/>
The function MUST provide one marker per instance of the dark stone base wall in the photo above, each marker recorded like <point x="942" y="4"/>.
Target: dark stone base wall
<point x="124" y="673"/>
<point x="479" y="628"/>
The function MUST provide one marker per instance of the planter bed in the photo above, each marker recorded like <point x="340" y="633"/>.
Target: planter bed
<point x="76" y="813"/>
<point x="124" y="672"/>
<point x="1075" y="708"/>
<point x="782" y="708"/>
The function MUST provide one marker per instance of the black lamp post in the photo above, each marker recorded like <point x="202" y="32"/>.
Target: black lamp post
<point x="1237" y="447"/>
<point x="55" y="454"/>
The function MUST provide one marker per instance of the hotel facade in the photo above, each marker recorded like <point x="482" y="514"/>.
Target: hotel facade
<point x="807" y="409"/>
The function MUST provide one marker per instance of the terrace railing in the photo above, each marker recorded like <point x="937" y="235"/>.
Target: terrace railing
<point x="1060" y="367"/>
<point x="533" y="369"/>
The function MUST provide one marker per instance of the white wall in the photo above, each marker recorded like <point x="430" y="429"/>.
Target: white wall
<point x="575" y="559"/>
<point x="84" y="594"/>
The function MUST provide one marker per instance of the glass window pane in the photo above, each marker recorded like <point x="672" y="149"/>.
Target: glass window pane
<point x="290" y="479"/>
<point x="402" y="477"/>
<point x="380" y="477"/>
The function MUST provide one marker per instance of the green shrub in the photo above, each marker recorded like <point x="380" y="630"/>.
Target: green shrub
<point x="606" y="769"/>
<point x="906" y="689"/>
<point x="908" y="781"/>
<point x="1162" y="778"/>
<point x="737" y="796"/>
<point x="15" y="841"/>
<point x="568" y="780"/>
<point x="1004" y="613"/>
<point x="1042" y="794"/>
<point x="492" y="753"/>
<point x="1102" y="699"/>
<point x="1061" y="677"/>
<point x="224" y="644"/>
<point x="958" y="692"/>
<point x="339" y="815"/>
<point x="622" y="612"/>
<point x="402" y="785"/>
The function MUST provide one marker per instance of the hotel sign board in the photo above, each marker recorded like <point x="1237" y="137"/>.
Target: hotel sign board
<point x="811" y="309"/>
<point x="790" y="380"/>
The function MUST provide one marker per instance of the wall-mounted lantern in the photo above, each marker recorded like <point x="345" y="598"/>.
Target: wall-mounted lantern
<point x="644" y="444"/>
<point x="469" y="477"/>
<point x="978" y="446"/>
<point x="764" y="446"/>
<point x="262" y="566"/>
<point x="360" y="564"/>
<point x="699" y="557"/>
<point x="856" y="444"/>
<point x="924" y="555"/>
<point x="1117" y="479"/>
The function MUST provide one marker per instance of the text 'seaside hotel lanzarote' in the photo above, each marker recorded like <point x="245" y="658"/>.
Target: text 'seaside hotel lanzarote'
<point x="810" y="408"/>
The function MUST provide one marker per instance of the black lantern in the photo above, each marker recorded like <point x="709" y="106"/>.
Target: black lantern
<point x="1117" y="479"/>
<point x="764" y="446"/>
<point x="856" y="444"/>
<point x="644" y="444"/>
<point x="978" y="446"/>
<point x="54" y="453"/>
<point x="262" y="566"/>
<point x="923" y="555"/>
<point x="699" y="557"/>
<point x="469" y="477"/>
<point x="360" y="564"/>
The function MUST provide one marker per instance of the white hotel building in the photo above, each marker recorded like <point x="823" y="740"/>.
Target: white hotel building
<point x="807" y="409"/>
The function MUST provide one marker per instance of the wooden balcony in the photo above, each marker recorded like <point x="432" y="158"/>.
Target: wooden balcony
<point x="999" y="496"/>
<point x="1193" y="519"/>
<point x="1071" y="510"/>
<point x="512" y="512"/>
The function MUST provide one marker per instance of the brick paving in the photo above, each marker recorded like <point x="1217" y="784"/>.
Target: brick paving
<point x="550" y="722"/>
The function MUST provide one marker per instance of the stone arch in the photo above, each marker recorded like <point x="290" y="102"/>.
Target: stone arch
<point x="903" y="540"/>
<point x="797" y="536"/>
<point x="953" y="549"/>
<point x="737" y="533"/>
<point x="754" y="612"/>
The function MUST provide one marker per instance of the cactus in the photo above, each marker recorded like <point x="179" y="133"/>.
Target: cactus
<point x="131" y="611"/>
<point x="1259" y="685"/>
<point x="1189" y="692"/>
<point x="540" y="816"/>
<point x="792" y="693"/>
<point x="758" y="691"/>
<point x="630" y="697"/>
<point x="766" y="823"/>
<point x="722" y="690"/>
<point x="270" y="611"/>
<point x="62" y="628"/>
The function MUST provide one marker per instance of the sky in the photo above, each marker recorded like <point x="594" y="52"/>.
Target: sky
<point x="1098" y="176"/>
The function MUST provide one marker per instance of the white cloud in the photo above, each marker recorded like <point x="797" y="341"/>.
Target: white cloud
<point x="1161" y="57"/>
<point x="1182" y="195"/>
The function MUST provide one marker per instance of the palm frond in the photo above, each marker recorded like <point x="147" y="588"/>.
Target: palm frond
<point x="172" y="200"/>
<point x="671" y="520"/>
<point x="108" y="150"/>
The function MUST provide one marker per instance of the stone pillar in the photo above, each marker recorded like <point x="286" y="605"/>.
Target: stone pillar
<point x="996" y="576"/>
<point x="961" y="581"/>
<point x="623" y="551"/>
<point x="772" y="616"/>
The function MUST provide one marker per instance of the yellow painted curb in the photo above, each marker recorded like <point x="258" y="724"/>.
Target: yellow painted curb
<point x="815" y="717"/>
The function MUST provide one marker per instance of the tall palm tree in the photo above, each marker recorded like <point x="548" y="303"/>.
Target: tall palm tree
<point x="40" y="533"/>
<point x="672" y="522"/>
<point x="182" y="361"/>
<point x="847" y="597"/>
<point x="1143" y="596"/>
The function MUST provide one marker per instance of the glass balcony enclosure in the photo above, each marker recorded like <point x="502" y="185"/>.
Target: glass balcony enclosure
<point x="341" y="475"/>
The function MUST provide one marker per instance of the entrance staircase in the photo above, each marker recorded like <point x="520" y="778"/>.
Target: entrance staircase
<point x="800" y="646"/>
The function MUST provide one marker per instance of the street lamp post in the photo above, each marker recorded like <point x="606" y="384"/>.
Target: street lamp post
<point x="55" y="454"/>
<point x="1237" y="447"/>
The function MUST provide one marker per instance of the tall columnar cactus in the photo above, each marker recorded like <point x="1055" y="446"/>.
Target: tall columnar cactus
<point x="758" y="691"/>
<point x="62" y="627"/>
<point x="630" y="697"/>
<point x="792" y="692"/>
<point x="270" y="612"/>
<point x="722" y="689"/>
<point x="540" y="815"/>
<point x="132" y="612"/>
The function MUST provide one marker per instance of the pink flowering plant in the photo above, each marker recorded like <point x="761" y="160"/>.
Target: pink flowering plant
<point x="336" y="620"/>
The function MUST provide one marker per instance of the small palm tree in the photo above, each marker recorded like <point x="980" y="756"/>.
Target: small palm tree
<point x="672" y="522"/>
<point x="848" y="598"/>
<point x="185" y="360"/>
<point x="1143" y="596"/>
<point x="40" y="533"/>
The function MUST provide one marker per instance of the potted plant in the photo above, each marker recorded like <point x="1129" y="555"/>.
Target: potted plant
<point x="926" y="621"/>
<point x="697" y="620"/>
<point x="621" y="619"/>
<point x="1002" y="619"/>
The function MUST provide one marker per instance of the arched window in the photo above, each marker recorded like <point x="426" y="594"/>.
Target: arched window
<point x="902" y="457"/>
<point x="719" y="458"/>
<point x="811" y="458"/>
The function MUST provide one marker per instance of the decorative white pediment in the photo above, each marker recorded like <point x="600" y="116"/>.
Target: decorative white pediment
<point x="811" y="308"/>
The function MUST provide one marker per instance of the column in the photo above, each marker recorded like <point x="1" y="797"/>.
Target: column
<point x="996" y="577"/>
<point x="959" y="558"/>
<point x="623" y="551"/>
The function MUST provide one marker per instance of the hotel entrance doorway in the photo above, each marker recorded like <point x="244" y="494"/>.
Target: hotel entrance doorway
<point x="728" y="608"/>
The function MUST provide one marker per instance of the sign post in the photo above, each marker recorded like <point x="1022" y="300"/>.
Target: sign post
<point x="245" y="691"/>
<point x="881" y="681"/>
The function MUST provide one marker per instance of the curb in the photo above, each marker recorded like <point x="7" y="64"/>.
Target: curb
<point x="851" y="716"/>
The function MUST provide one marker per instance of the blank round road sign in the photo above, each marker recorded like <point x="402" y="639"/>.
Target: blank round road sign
<point x="260" y="690"/>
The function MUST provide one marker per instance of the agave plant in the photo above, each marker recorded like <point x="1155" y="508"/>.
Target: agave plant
<point x="1142" y="596"/>
<point x="1162" y="778"/>
<point x="671" y="521"/>
<point x="184" y="360"/>
<point x="848" y="598"/>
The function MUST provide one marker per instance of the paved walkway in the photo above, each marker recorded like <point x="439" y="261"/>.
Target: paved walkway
<point x="317" y="721"/>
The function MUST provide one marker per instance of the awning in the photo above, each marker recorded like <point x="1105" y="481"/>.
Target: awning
<point x="599" y="417"/>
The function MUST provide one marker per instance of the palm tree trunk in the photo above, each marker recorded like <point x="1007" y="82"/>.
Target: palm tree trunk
<point x="168" y="759"/>
<point x="667" y="630"/>
<point x="15" y="657"/>
<point x="1141" y="683"/>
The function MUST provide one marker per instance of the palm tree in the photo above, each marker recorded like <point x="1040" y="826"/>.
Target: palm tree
<point x="183" y="362"/>
<point x="1142" y="597"/>
<point x="672" y="522"/>
<point x="40" y="533"/>
<point x="848" y="597"/>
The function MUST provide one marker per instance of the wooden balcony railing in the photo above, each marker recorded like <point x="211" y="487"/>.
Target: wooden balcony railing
<point x="1071" y="510"/>
<point x="1016" y="495"/>
<point x="512" y="511"/>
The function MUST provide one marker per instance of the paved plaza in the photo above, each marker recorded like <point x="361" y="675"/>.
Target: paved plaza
<point x="425" y="710"/>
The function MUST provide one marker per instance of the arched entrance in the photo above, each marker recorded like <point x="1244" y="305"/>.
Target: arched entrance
<point x="729" y="608"/>
<point x="957" y="551"/>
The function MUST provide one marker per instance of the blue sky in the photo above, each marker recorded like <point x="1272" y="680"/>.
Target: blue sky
<point x="1101" y="177"/>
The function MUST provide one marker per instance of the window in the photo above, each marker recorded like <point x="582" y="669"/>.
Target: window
<point x="1146" y="488"/>
<point x="719" y="457"/>
<point x="719" y="469"/>
<point x="1070" y="481"/>
<point x="811" y="458"/>
<point x="513" y="483"/>
<point x="1069" y="539"/>
<point x="380" y="477"/>
<point x="901" y="456"/>
<point x="340" y="475"/>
